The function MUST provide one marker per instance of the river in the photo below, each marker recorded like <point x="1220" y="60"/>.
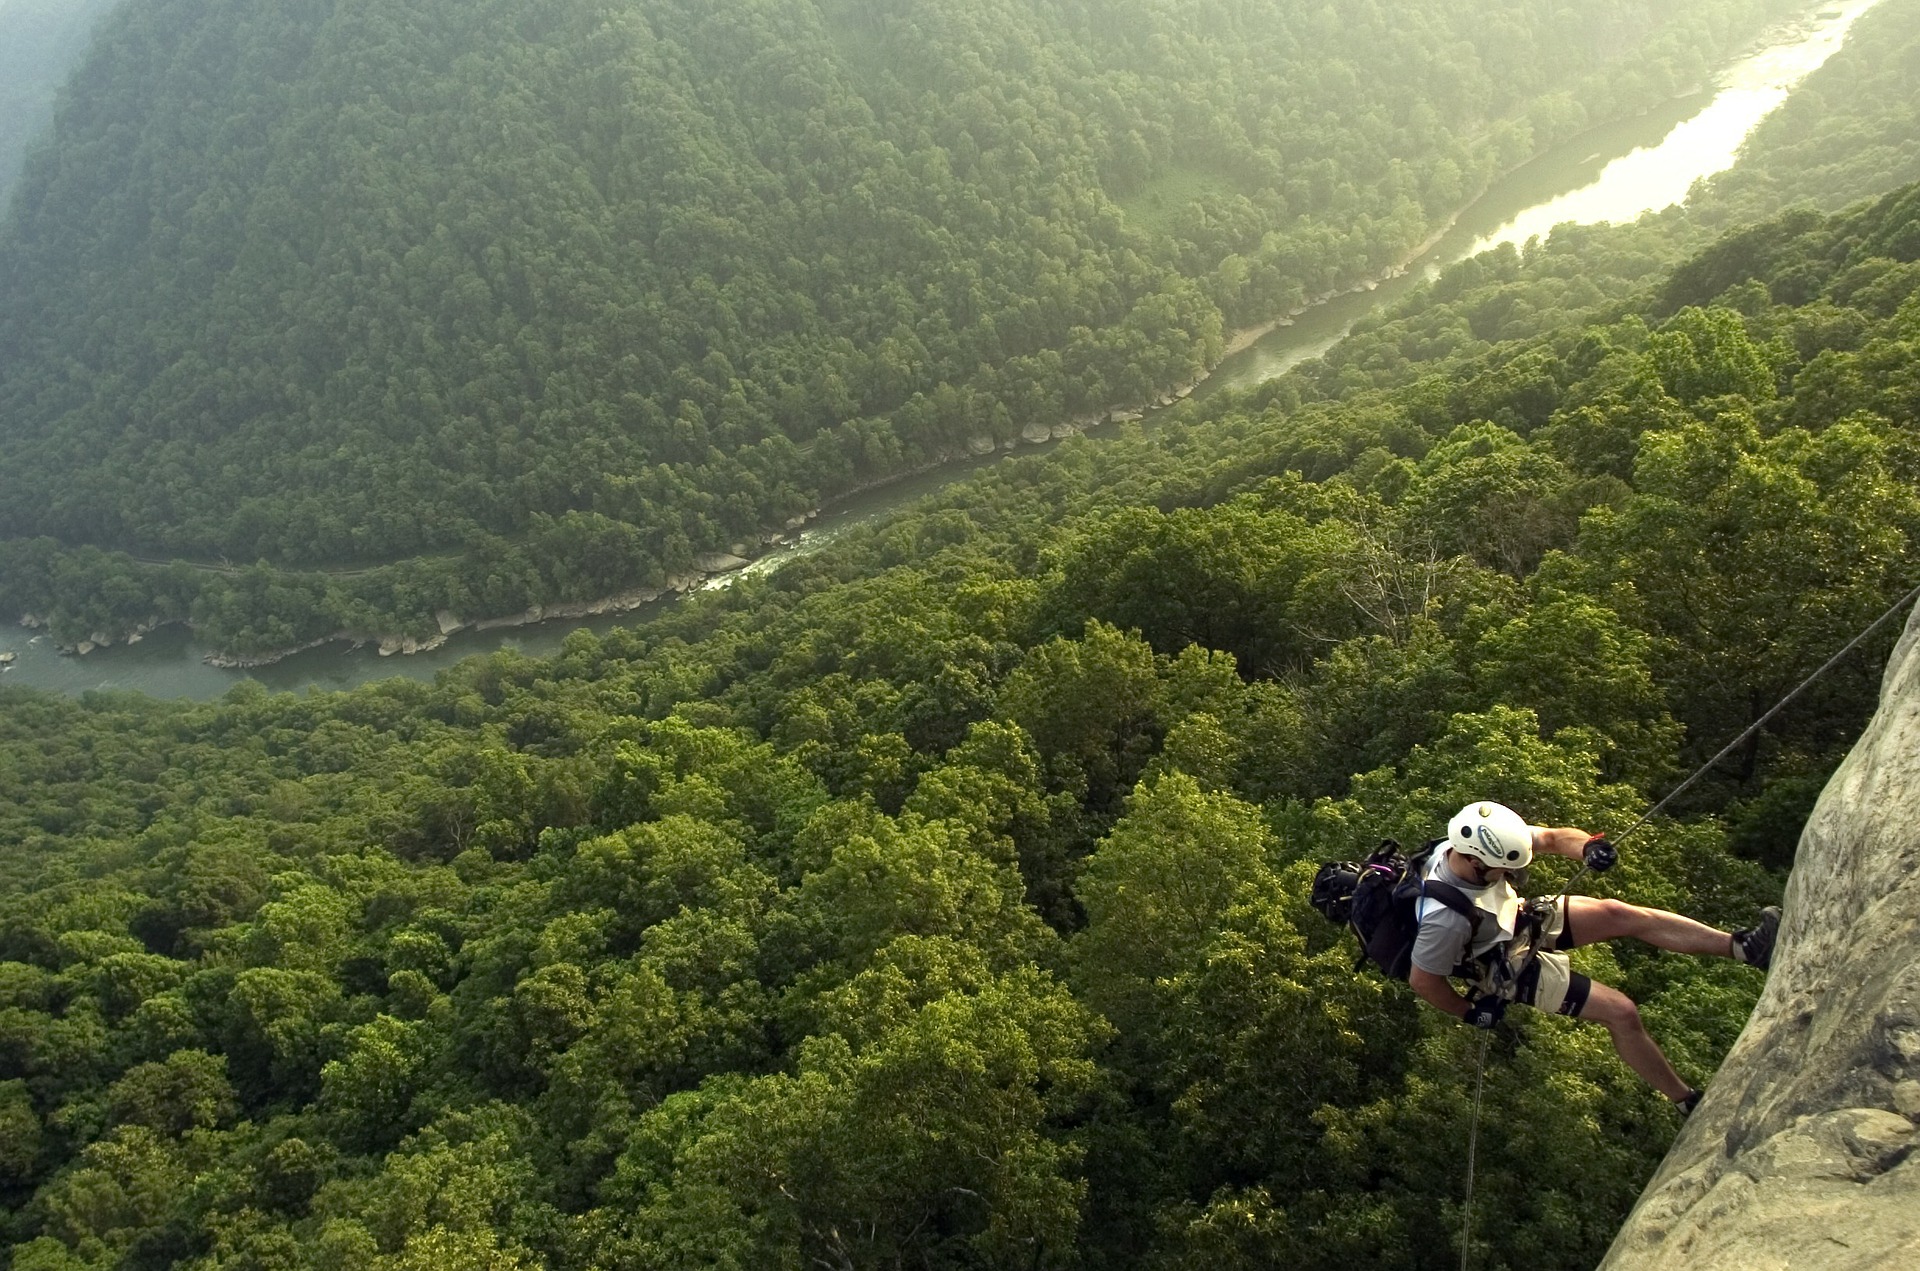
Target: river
<point x="1613" y="173"/>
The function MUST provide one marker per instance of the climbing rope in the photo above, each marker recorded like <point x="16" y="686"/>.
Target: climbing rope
<point x="1779" y="706"/>
<point x="1751" y="729"/>
<point x="1473" y="1145"/>
<point x="1480" y="1081"/>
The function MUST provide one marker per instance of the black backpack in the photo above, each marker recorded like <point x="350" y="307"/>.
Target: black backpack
<point x="1379" y="898"/>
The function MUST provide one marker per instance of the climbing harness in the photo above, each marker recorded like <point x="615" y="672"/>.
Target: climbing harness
<point x="1480" y="1081"/>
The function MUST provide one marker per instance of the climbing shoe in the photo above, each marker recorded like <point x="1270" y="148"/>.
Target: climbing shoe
<point x="1688" y="1103"/>
<point x="1754" y="945"/>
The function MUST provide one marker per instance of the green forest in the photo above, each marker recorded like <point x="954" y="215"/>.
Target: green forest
<point x="940" y="900"/>
<point x="491" y="304"/>
<point x="1851" y="131"/>
<point x="40" y="40"/>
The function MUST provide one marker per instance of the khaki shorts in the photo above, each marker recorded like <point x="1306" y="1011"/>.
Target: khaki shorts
<point x="1548" y="982"/>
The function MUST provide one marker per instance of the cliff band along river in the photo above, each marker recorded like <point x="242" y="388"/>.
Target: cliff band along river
<point x="1613" y="173"/>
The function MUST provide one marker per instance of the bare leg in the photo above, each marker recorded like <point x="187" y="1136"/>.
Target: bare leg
<point x="1593" y="920"/>
<point x="1616" y="1011"/>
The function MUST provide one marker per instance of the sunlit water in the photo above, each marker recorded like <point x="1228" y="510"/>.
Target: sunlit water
<point x="1614" y="173"/>
<point x="1659" y="176"/>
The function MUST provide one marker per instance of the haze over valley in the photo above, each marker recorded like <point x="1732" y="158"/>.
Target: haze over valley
<point x="1151" y="496"/>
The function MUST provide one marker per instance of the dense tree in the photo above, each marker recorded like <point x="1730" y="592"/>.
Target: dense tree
<point x="40" y="40"/>
<point x="940" y="899"/>
<point x="542" y="302"/>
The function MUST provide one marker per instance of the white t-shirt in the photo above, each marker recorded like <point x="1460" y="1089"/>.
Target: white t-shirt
<point x="1441" y="944"/>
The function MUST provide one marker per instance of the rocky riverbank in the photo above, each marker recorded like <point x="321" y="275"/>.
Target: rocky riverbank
<point x="97" y="639"/>
<point x="707" y="565"/>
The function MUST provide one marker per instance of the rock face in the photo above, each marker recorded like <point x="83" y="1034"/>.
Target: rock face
<point x="1802" y="1155"/>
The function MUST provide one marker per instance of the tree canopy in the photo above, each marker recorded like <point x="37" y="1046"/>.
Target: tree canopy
<point x="931" y="901"/>
<point x="541" y="301"/>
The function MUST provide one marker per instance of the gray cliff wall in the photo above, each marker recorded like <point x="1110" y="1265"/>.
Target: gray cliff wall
<point x="1802" y="1154"/>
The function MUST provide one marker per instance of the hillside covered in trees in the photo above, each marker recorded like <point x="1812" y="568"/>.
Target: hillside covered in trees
<point x="544" y="300"/>
<point x="941" y="900"/>
<point x="1850" y="132"/>
<point x="40" y="40"/>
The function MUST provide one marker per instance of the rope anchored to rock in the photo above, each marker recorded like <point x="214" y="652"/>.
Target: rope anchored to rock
<point x="1473" y="1138"/>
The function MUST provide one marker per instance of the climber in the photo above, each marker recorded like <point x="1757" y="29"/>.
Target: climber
<point x="1520" y="956"/>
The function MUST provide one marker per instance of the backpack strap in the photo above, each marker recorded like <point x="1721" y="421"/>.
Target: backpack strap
<point x="1455" y="899"/>
<point x="1438" y="889"/>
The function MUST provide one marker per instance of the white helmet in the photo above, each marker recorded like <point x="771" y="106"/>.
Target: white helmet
<point x="1493" y="833"/>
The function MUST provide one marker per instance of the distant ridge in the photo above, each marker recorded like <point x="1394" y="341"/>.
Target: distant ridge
<point x="40" y="40"/>
<point x="571" y="292"/>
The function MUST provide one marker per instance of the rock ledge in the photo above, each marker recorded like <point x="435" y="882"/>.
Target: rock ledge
<point x="1801" y="1155"/>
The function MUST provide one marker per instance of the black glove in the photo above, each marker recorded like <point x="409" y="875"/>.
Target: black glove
<point x="1486" y="1011"/>
<point x="1600" y="855"/>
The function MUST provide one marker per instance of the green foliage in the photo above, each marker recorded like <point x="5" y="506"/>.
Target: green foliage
<point x="21" y="1131"/>
<point x="1493" y="499"/>
<point x="188" y="1091"/>
<point x="941" y="899"/>
<point x="1723" y="515"/>
<point x="1156" y="888"/>
<point x="921" y="1136"/>
<point x="1581" y="667"/>
<point x="467" y="307"/>
<point x="40" y="40"/>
